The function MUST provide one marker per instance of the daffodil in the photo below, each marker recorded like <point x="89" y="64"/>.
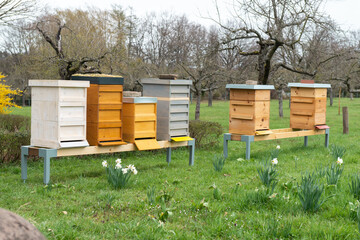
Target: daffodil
<point x="118" y="161"/>
<point x="124" y="170"/>
<point x="274" y="161"/>
<point x="278" y="147"/>
<point x="118" y="166"/>
<point x="339" y="161"/>
<point x="104" y="164"/>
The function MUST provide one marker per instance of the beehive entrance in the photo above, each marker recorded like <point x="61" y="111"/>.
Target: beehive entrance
<point x="147" y="144"/>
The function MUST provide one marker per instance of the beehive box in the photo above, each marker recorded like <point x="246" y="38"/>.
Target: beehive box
<point x="58" y="113"/>
<point x="308" y="105"/>
<point x="104" y="109"/>
<point x="172" y="107"/>
<point x="139" y="122"/>
<point x="249" y="108"/>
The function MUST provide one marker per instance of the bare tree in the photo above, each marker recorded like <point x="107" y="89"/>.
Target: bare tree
<point x="268" y="25"/>
<point x="11" y="10"/>
<point x="52" y="29"/>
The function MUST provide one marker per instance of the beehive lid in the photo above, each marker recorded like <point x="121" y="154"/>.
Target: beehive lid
<point x="309" y="85"/>
<point x="147" y="144"/>
<point x="101" y="79"/>
<point x="181" y="139"/>
<point x="166" y="81"/>
<point x="58" y="83"/>
<point x="139" y="99"/>
<point x="251" y="87"/>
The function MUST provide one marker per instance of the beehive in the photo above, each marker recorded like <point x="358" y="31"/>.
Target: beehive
<point x="308" y="105"/>
<point x="58" y="113"/>
<point x="172" y="106"/>
<point x="139" y="121"/>
<point x="249" y="108"/>
<point x="104" y="109"/>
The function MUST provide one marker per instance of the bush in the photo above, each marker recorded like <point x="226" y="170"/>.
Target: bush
<point x="13" y="123"/>
<point x="14" y="133"/>
<point x="205" y="133"/>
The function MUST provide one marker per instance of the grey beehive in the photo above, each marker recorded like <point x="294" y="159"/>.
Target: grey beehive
<point x="173" y="105"/>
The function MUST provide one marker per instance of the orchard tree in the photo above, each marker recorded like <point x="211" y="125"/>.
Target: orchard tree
<point x="269" y="25"/>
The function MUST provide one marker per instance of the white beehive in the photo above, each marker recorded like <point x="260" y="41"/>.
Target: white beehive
<point x="58" y="113"/>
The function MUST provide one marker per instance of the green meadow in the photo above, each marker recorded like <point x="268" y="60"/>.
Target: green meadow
<point x="200" y="203"/>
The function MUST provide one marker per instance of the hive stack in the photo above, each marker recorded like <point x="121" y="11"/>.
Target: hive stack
<point x="308" y="105"/>
<point x="249" y="108"/>
<point x="139" y="121"/>
<point x="58" y="113"/>
<point x="172" y="106"/>
<point x="104" y="109"/>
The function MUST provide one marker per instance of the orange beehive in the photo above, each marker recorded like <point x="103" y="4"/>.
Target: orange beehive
<point x="249" y="108"/>
<point x="104" y="109"/>
<point x="308" y="105"/>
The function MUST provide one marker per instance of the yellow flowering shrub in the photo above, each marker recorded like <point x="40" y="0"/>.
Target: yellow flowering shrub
<point x="6" y="99"/>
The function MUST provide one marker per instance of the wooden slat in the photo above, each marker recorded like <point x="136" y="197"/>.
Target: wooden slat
<point x="243" y="117"/>
<point x="302" y="100"/>
<point x="112" y="149"/>
<point x="242" y="103"/>
<point x="302" y="113"/>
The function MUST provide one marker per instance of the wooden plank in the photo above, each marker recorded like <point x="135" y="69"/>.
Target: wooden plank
<point x="112" y="149"/>
<point x="292" y="134"/>
<point x="281" y="134"/>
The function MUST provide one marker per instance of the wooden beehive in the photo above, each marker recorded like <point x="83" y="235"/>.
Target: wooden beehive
<point x="104" y="109"/>
<point x="249" y="108"/>
<point x="308" y="105"/>
<point x="139" y="122"/>
<point x="172" y="106"/>
<point x="58" y="113"/>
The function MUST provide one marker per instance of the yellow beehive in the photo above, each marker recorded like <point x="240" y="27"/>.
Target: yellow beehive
<point x="139" y="122"/>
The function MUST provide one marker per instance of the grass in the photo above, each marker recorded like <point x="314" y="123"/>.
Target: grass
<point x="80" y="204"/>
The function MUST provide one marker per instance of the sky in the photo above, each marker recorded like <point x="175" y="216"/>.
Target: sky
<point x="344" y="12"/>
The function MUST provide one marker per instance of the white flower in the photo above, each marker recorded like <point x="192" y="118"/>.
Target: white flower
<point x="274" y="161"/>
<point x="339" y="161"/>
<point x="118" y="166"/>
<point x="104" y="163"/>
<point x="278" y="147"/>
<point x="118" y="161"/>
<point x="125" y="170"/>
<point x="132" y="169"/>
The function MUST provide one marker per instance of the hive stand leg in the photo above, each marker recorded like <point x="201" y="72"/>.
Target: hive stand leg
<point x="247" y="139"/>
<point x="191" y="145"/>
<point x="24" y="156"/>
<point x="306" y="141"/>
<point x="47" y="154"/>
<point x="327" y="133"/>
<point x="168" y="155"/>
<point x="227" y="138"/>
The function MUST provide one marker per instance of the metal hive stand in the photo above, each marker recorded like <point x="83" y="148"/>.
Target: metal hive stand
<point x="276" y="134"/>
<point x="48" y="153"/>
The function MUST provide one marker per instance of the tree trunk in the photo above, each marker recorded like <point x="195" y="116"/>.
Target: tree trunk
<point x="197" y="109"/>
<point x="210" y="98"/>
<point x="280" y="97"/>
<point x="331" y="97"/>
<point x="23" y="99"/>
<point x="351" y="96"/>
